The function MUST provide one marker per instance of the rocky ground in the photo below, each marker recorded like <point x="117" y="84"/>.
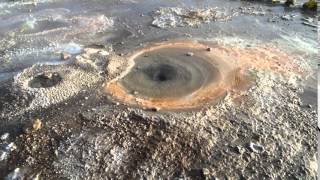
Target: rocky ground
<point x="58" y="122"/>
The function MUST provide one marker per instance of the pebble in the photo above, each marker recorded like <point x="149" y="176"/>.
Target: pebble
<point x="37" y="124"/>
<point x="65" y="56"/>
<point x="104" y="53"/>
<point x="154" y="109"/>
<point x="4" y="136"/>
<point x="309" y="19"/>
<point x="309" y="106"/>
<point x="135" y="92"/>
<point x="37" y="177"/>
<point x="286" y="17"/>
<point x="257" y="148"/>
<point x="289" y="2"/>
<point x="11" y="147"/>
<point x="190" y="53"/>
<point x="89" y="51"/>
<point x="3" y="155"/>
<point x="239" y="149"/>
<point x="206" y="171"/>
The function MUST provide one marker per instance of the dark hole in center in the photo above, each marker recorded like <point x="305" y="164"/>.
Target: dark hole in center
<point x="160" y="77"/>
<point x="161" y="73"/>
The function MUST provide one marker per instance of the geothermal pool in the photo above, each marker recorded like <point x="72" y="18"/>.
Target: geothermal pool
<point x="165" y="76"/>
<point x="149" y="89"/>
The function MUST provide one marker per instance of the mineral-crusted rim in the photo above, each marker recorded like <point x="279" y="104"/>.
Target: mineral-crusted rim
<point x="230" y="77"/>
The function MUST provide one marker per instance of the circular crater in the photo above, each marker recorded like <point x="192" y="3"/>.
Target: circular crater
<point x="45" y="80"/>
<point x="165" y="76"/>
<point x="161" y="73"/>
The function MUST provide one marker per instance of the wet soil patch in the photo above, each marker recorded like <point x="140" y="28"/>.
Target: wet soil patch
<point x="45" y="80"/>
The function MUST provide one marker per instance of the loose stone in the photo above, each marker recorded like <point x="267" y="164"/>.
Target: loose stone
<point x="190" y="53"/>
